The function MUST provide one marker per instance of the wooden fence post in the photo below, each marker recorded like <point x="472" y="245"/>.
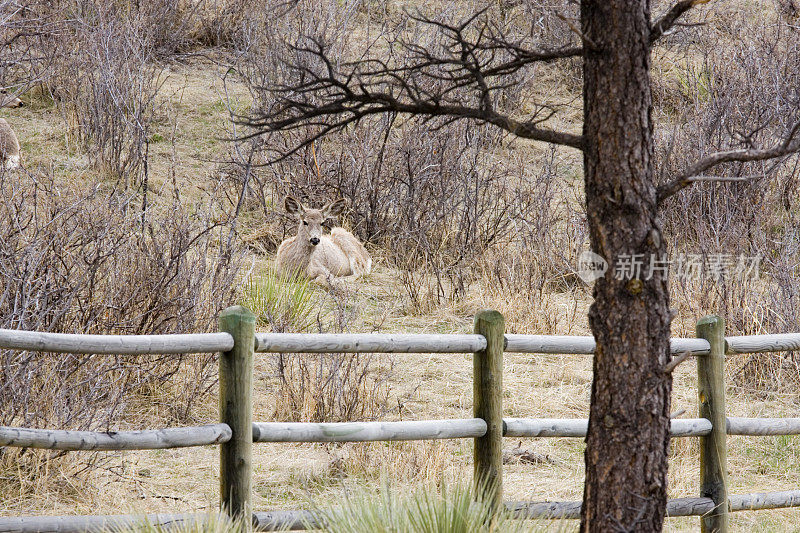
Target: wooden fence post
<point x="235" y="409"/>
<point x="488" y="404"/>
<point x="713" y="447"/>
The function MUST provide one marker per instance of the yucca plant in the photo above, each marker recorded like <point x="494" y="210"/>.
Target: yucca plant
<point x="280" y="301"/>
<point x="211" y="523"/>
<point x="453" y="509"/>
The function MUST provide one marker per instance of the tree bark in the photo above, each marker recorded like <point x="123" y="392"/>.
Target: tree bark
<point x="626" y="453"/>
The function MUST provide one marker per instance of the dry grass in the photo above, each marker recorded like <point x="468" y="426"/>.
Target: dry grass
<point x="428" y="387"/>
<point x="185" y="156"/>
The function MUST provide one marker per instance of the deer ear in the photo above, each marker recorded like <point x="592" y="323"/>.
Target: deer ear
<point x="334" y="209"/>
<point x="293" y="207"/>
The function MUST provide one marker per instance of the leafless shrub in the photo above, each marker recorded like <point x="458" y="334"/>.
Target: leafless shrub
<point x="108" y="84"/>
<point x="175" y="27"/>
<point x="435" y="199"/>
<point x="409" y="461"/>
<point x="332" y="387"/>
<point x="549" y="234"/>
<point x="247" y="194"/>
<point x="555" y="24"/>
<point x="745" y="90"/>
<point x="78" y="261"/>
<point x="26" y="32"/>
<point x="223" y="22"/>
<point x="109" y="72"/>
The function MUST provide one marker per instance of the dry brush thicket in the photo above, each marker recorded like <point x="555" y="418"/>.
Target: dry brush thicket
<point x="106" y="64"/>
<point x="745" y="90"/>
<point x="442" y="199"/>
<point x="87" y="252"/>
<point x="455" y="209"/>
<point x="78" y="259"/>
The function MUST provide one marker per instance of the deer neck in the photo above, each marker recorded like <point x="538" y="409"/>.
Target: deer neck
<point x="301" y="250"/>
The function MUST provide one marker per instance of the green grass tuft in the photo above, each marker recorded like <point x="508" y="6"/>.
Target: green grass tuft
<point x="211" y="523"/>
<point x="426" y="510"/>
<point x="280" y="301"/>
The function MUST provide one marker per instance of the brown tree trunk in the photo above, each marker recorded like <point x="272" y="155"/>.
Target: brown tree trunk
<point x="626" y="453"/>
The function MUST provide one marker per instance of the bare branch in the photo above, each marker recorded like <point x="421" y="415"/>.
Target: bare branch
<point x="673" y="364"/>
<point x="352" y="111"/>
<point x="789" y="145"/>
<point x="662" y="25"/>
<point x="726" y="179"/>
<point x="459" y="78"/>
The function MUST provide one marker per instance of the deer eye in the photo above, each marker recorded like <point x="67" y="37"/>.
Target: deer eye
<point x="305" y="223"/>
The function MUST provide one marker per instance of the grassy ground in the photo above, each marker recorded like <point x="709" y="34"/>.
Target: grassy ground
<point x="422" y="386"/>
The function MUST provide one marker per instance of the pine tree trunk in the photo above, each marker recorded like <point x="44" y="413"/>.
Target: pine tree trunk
<point x="626" y="454"/>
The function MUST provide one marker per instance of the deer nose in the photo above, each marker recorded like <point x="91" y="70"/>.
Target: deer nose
<point x="314" y="240"/>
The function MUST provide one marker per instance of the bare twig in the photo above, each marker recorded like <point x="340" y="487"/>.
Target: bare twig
<point x="669" y="367"/>
<point x="670" y="18"/>
<point x="789" y="145"/>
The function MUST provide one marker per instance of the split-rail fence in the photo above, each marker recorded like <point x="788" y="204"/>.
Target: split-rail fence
<point x="236" y="432"/>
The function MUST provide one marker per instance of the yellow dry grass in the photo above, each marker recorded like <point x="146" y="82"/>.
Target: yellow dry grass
<point x="423" y="386"/>
<point x="428" y="386"/>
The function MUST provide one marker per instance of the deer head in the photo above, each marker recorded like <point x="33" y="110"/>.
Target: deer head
<point x="309" y="228"/>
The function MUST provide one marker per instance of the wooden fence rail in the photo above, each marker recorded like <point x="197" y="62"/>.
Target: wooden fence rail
<point x="762" y="426"/>
<point x="577" y="427"/>
<point x="468" y="428"/>
<point x="368" y="343"/>
<point x="692" y="506"/>
<point x="153" y="439"/>
<point x="115" y="344"/>
<point x="368" y="431"/>
<point x="96" y="524"/>
<point x="236" y="432"/>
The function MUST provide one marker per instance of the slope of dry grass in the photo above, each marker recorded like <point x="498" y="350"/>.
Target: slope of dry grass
<point x="188" y="144"/>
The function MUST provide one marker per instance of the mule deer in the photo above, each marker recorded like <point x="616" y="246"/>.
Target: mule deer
<point x="321" y="257"/>
<point x="9" y="145"/>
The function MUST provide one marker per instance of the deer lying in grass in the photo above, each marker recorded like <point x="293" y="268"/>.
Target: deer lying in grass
<point x="9" y="145"/>
<point x="320" y="257"/>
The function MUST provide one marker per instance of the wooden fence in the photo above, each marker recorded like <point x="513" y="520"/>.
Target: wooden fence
<point x="236" y="432"/>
